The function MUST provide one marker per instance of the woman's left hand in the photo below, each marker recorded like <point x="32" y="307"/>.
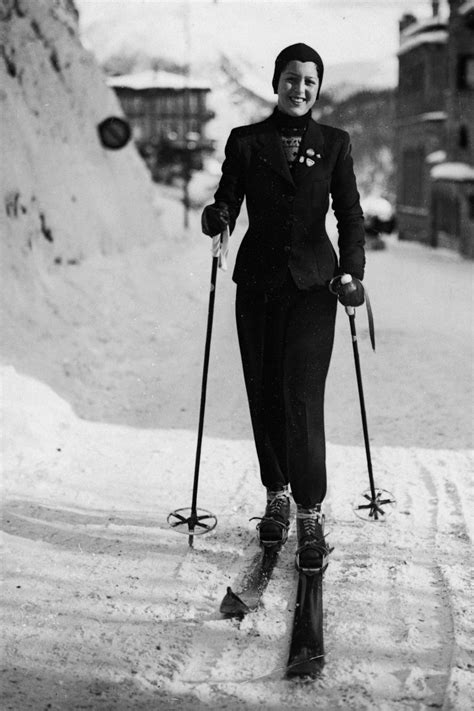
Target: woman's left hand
<point x="349" y="293"/>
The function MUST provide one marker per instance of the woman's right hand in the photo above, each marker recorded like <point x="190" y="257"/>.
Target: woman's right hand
<point x="215" y="219"/>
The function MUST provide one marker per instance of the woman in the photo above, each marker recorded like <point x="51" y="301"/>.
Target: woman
<point x="288" y="278"/>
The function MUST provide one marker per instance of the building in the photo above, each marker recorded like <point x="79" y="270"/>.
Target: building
<point x="168" y="115"/>
<point x="435" y="128"/>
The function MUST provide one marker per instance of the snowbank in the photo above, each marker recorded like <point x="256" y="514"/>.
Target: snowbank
<point x="377" y="206"/>
<point x="108" y="607"/>
<point x="64" y="196"/>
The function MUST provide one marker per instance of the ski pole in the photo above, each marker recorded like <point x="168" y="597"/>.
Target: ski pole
<point x="200" y="521"/>
<point x="374" y="496"/>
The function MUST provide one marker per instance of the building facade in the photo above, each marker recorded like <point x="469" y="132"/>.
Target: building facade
<point x="167" y="113"/>
<point x="435" y="129"/>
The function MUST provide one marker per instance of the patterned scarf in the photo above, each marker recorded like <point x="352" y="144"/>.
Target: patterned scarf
<point x="291" y="130"/>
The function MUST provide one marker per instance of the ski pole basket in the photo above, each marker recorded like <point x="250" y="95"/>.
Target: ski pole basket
<point x="192" y="522"/>
<point x="378" y="505"/>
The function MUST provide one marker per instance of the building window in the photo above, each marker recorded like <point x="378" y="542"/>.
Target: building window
<point x="447" y="214"/>
<point x="469" y="19"/>
<point x="470" y="199"/>
<point x="168" y="104"/>
<point x="413" y="166"/>
<point x="178" y="106"/>
<point x="463" y="137"/>
<point x="193" y="126"/>
<point x="466" y="72"/>
<point x="193" y="102"/>
<point x="159" y="101"/>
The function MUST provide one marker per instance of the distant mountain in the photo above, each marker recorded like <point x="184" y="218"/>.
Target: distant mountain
<point x="350" y="76"/>
<point x="340" y="80"/>
<point x="129" y="36"/>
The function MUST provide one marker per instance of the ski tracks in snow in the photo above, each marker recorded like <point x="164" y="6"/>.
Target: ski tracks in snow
<point x="116" y="611"/>
<point x="396" y="597"/>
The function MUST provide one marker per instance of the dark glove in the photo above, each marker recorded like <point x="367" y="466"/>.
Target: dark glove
<point x="215" y="219"/>
<point x="350" y="293"/>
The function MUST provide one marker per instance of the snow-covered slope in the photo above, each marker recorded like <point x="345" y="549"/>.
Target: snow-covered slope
<point x="64" y="197"/>
<point x="109" y="609"/>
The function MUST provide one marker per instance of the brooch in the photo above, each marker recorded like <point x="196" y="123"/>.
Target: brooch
<point x="310" y="153"/>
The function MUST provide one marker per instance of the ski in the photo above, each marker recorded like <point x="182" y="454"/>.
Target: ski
<point x="306" y="656"/>
<point x="254" y="584"/>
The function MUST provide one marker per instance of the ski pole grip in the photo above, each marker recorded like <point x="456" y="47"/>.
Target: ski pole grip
<point x="216" y="245"/>
<point x="220" y="248"/>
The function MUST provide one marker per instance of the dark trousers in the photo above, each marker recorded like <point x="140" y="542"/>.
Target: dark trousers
<point x="286" y="341"/>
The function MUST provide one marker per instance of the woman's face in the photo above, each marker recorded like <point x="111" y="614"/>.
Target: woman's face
<point x="297" y="88"/>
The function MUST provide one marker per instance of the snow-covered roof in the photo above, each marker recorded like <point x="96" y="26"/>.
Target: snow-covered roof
<point x="433" y="116"/>
<point x="460" y="172"/>
<point x="430" y="23"/>
<point x="423" y="118"/>
<point x="466" y="7"/>
<point x="434" y="37"/>
<point x="157" y="80"/>
<point x="436" y="157"/>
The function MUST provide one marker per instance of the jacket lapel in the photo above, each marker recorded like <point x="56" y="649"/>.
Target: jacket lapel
<point x="272" y="154"/>
<point x="312" y="152"/>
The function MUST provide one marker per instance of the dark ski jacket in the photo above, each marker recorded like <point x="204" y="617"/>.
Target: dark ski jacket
<point x="287" y="209"/>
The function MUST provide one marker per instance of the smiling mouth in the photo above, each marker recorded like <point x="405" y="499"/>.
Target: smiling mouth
<point x="297" y="101"/>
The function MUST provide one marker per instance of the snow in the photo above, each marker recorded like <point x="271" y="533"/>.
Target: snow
<point x="453" y="171"/>
<point x="257" y="86"/>
<point x="436" y="157"/>
<point x="156" y="79"/>
<point x="421" y="26"/>
<point x="432" y="116"/>
<point x="433" y="37"/>
<point x="466" y="7"/>
<point x="105" y="607"/>
<point x="61" y="182"/>
<point x="357" y="43"/>
<point x="114" y="606"/>
<point x="376" y="206"/>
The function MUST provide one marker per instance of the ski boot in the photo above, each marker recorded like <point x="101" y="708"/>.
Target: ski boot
<point x="274" y="524"/>
<point x="312" y="552"/>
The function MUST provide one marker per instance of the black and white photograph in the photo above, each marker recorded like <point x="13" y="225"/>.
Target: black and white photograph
<point x="237" y="410"/>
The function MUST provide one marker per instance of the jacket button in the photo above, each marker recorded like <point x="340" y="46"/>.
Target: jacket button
<point x="287" y="248"/>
